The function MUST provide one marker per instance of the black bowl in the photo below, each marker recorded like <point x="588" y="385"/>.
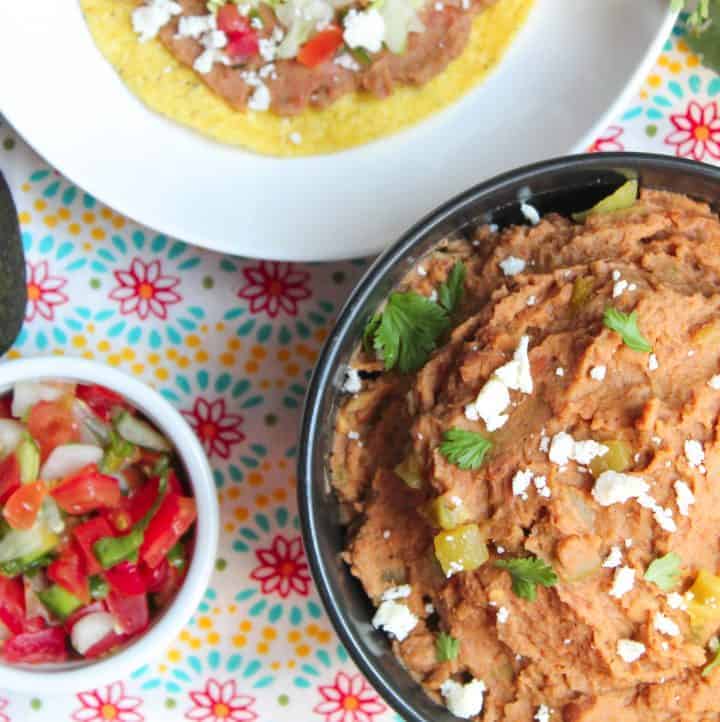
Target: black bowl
<point x="566" y="184"/>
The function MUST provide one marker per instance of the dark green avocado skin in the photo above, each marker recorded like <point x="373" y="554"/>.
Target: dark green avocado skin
<point x="13" y="291"/>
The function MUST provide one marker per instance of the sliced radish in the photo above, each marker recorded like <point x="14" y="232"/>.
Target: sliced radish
<point x="93" y="430"/>
<point x="91" y="629"/>
<point x="27" y="393"/>
<point x="11" y="432"/>
<point x="69" y="458"/>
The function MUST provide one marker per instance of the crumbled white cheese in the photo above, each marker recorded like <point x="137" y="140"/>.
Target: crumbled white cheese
<point x="521" y="482"/>
<point x="664" y="518"/>
<point x="454" y="568"/>
<point x="516" y="374"/>
<point x="260" y="99"/>
<point x="149" y="18"/>
<point x="629" y="650"/>
<point x="531" y="301"/>
<point x="665" y="625"/>
<point x="619" y="288"/>
<point x="345" y="60"/>
<point x="713" y="644"/>
<point x="598" y="372"/>
<point x="463" y="700"/>
<point x="421" y="271"/>
<point x="714" y="382"/>
<point x="542" y="714"/>
<point x="614" y="558"/>
<point x="544" y="445"/>
<point x="386" y="534"/>
<point x="364" y="29"/>
<point x="612" y="487"/>
<point x="676" y="601"/>
<point x="213" y="42"/>
<point x="541" y="485"/>
<point x="401" y="592"/>
<point x="685" y="497"/>
<point x="354" y="435"/>
<point x="623" y="582"/>
<point x="564" y="448"/>
<point x="632" y="287"/>
<point x="657" y="440"/>
<point x="531" y="213"/>
<point x="352" y="383"/>
<point x="616" y="275"/>
<point x="628" y="543"/>
<point x="193" y="26"/>
<point x="503" y="614"/>
<point x="395" y="618"/>
<point x="429" y="608"/>
<point x="560" y="371"/>
<point x="694" y="452"/>
<point x="653" y="364"/>
<point x="489" y="405"/>
<point x="499" y="549"/>
<point x="512" y="265"/>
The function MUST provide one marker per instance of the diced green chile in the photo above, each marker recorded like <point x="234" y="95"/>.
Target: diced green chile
<point x="176" y="556"/>
<point x="26" y="565"/>
<point x="28" y="456"/>
<point x="58" y="601"/>
<point x="116" y="453"/>
<point x="99" y="587"/>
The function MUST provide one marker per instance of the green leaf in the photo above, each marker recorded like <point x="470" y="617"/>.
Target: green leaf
<point x="446" y="647"/>
<point x="664" y="571"/>
<point x="626" y="325"/>
<point x="465" y="449"/>
<point x="714" y="663"/>
<point x="368" y="339"/>
<point x="408" y="330"/>
<point x="527" y="573"/>
<point x="450" y="292"/>
<point x="703" y="35"/>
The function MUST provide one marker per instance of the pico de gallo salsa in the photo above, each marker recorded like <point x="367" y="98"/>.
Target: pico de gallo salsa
<point x="95" y="522"/>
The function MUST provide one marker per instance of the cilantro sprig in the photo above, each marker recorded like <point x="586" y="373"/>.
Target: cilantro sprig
<point x="450" y="293"/>
<point x="527" y="573"/>
<point x="664" y="571"/>
<point x="446" y="647"/>
<point x="465" y="449"/>
<point x="626" y="324"/>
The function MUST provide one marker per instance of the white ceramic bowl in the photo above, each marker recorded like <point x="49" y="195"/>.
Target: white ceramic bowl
<point x="78" y="675"/>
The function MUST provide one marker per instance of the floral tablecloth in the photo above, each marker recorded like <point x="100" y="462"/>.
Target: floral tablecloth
<point x="231" y="342"/>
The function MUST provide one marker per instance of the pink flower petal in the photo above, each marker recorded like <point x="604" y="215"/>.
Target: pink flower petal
<point x="201" y="699"/>
<point x="262" y="573"/>
<point x="200" y="713"/>
<point x="709" y="113"/>
<point x="694" y="112"/>
<point x="86" y="714"/>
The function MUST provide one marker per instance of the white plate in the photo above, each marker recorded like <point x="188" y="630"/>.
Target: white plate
<point x="571" y="68"/>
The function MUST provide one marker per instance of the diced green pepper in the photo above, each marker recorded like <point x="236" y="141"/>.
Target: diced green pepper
<point x="28" y="456"/>
<point x="622" y="198"/>
<point x="116" y="454"/>
<point x="99" y="587"/>
<point x="619" y="457"/>
<point x="26" y="565"/>
<point x="447" y="511"/>
<point x="112" y="550"/>
<point x="583" y="287"/>
<point x="59" y="602"/>
<point x="409" y="471"/>
<point x="176" y="556"/>
<point x="460" y="550"/>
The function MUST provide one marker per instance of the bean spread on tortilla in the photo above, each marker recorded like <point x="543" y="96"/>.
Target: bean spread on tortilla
<point x="528" y="457"/>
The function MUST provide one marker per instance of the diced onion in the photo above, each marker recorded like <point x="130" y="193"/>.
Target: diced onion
<point x="91" y="629"/>
<point x="69" y="458"/>
<point x="27" y="393"/>
<point x="93" y="430"/>
<point x="11" y="432"/>
<point x="139" y="432"/>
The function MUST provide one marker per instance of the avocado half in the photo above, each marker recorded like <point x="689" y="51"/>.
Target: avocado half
<point x="13" y="289"/>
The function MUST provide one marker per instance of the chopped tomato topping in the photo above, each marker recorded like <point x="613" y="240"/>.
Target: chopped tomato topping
<point x="126" y="578"/>
<point x="174" y="517"/>
<point x="6" y="407"/>
<point x="321" y="47"/>
<point x="51" y="424"/>
<point x="86" y="491"/>
<point x="86" y="535"/>
<point x="243" y="46"/>
<point x="131" y="611"/>
<point x="155" y="579"/>
<point x="68" y="570"/>
<point x="242" y="38"/>
<point x="21" y="509"/>
<point x="102" y="401"/>
<point x="12" y="603"/>
<point x="230" y="21"/>
<point x="45" y="645"/>
<point x="9" y="476"/>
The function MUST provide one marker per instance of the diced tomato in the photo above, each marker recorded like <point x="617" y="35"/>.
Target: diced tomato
<point x="241" y="46"/>
<point x="68" y="570"/>
<point x="45" y="645"/>
<point x="321" y="47"/>
<point x="6" y="406"/>
<point x="87" y="490"/>
<point x="141" y="500"/>
<point x="131" y="611"/>
<point x="119" y="519"/>
<point x="174" y="517"/>
<point x="108" y="642"/>
<point x="12" y="603"/>
<point x="51" y="423"/>
<point x="174" y="483"/>
<point x="34" y="624"/>
<point x="101" y="400"/>
<point x="86" y="535"/>
<point x="126" y="578"/>
<point x="155" y="579"/>
<point x="172" y="582"/>
<point x="9" y="476"/>
<point x="21" y="509"/>
<point x="229" y="20"/>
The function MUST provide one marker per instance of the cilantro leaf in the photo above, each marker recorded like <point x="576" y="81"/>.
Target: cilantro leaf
<point x="664" y="571"/>
<point x="446" y="647"/>
<point x="526" y="574"/>
<point x="450" y="292"/>
<point x="712" y="664"/>
<point x="369" y="333"/>
<point x="626" y="325"/>
<point x="465" y="449"/>
<point x="408" y="330"/>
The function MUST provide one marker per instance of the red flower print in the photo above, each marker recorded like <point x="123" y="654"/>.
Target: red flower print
<point x="43" y="291"/>
<point x="282" y="567"/>
<point x="3" y="705"/>
<point x="218" y="430"/>
<point x="697" y="132"/>
<point x="349" y="699"/>
<point x="144" y="290"/>
<point x="274" y="287"/>
<point x="219" y="702"/>
<point x="109" y="703"/>
<point x="609" y="141"/>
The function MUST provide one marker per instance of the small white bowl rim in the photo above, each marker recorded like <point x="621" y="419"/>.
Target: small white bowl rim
<point x="59" y="679"/>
